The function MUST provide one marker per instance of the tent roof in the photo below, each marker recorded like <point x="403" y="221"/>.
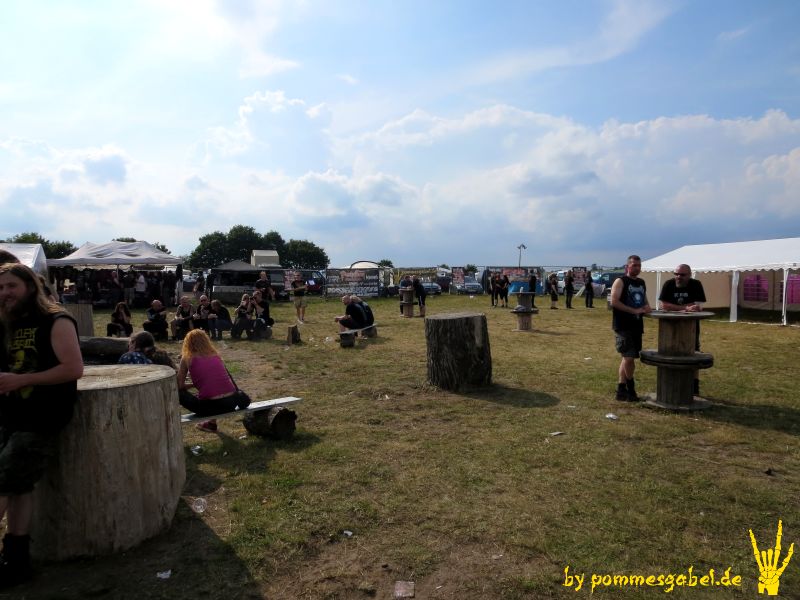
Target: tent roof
<point x="31" y="255"/>
<point x="238" y="266"/>
<point x="759" y="255"/>
<point x="364" y="264"/>
<point x="115" y="253"/>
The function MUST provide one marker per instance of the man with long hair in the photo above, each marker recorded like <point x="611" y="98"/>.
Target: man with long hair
<point x="38" y="388"/>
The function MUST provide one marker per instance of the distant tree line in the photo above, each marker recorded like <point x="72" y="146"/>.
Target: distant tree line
<point x="218" y="248"/>
<point x="52" y="249"/>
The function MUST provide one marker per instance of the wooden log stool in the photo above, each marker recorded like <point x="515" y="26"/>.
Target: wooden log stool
<point x="347" y="338"/>
<point x="524" y="311"/>
<point x="407" y="302"/>
<point x="293" y="335"/>
<point x="458" y="350"/>
<point x="676" y="361"/>
<point x="119" y="470"/>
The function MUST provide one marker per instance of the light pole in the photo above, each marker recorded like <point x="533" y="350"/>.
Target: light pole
<point x="521" y="247"/>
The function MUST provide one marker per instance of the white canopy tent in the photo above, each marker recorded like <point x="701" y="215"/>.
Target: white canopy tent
<point x="31" y="255"/>
<point x="724" y="263"/>
<point x="113" y="254"/>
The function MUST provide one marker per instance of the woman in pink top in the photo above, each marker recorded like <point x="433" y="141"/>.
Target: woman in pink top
<point x="216" y="391"/>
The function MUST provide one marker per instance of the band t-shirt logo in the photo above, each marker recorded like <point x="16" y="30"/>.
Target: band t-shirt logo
<point x="636" y="296"/>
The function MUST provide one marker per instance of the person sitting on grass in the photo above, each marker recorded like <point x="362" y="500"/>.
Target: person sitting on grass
<point x="353" y="317"/>
<point x="120" y="321"/>
<point x="216" y="391"/>
<point x="182" y="323"/>
<point x="219" y="320"/>
<point x="142" y="351"/>
<point x="200" y="316"/>
<point x="244" y="318"/>
<point x="156" y="320"/>
<point x="263" y="321"/>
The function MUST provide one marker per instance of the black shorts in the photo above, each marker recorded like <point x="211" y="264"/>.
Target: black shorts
<point x="629" y="343"/>
<point x="349" y="323"/>
<point x="23" y="458"/>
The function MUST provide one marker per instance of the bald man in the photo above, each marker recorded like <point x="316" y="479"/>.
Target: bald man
<point x="684" y="294"/>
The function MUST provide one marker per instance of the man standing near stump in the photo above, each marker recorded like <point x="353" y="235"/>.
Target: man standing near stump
<point x="686" y="295"/>
<point x="39" y="369"/>
<point x="629" y="303"/>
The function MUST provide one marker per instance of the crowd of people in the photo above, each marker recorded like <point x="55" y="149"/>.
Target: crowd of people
<point x="109" y="287"/>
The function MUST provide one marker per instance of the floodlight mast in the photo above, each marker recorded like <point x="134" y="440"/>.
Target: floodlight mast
<point x="521" y="247"/>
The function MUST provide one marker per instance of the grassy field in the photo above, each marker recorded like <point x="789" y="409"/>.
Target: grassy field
<point x="470" y="495"/>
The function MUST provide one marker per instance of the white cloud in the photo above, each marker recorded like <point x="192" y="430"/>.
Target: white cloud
<point x="426" y="185"/>
<point x="348" y="79"/>
<point x="618" y="33"/>
<point x="729" y="36"/>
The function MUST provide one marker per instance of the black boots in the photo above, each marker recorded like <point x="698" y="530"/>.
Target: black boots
<point x="15" y="563"/>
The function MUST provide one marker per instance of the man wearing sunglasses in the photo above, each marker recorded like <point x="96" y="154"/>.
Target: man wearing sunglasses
<point x="686" y="295"/>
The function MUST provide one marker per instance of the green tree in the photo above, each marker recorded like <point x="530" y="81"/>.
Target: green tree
<point x="443" y="266"/>
<point x="385" y="262"/>
<point x="59" y="249"/>
<point x="273" y="241"/>
<point x="55" y="249"/>
<point x="302" y="254"/>
<point x="212" y="251"/>
<point x="470" y="269"/>
<point x="242" y="240"/>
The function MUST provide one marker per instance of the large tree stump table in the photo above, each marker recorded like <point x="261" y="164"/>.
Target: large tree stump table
<point x="407" y="302"/>
<point x="119" y="469"/>
<point x="458" y="350"/>
<point x="676" y="361"/>
<point x="84" y="317"/>
<point x="524" y="311"/>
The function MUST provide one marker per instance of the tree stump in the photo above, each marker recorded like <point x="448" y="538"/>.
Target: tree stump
<point x="119" y="469"/>
<point x="103" y="349"/>
<point x="458" y="350"/>
<point x="84" y="316"/>
<point x="292" y="335"/>
<point x="276" y="422"/>
<point x="407" y="302"/>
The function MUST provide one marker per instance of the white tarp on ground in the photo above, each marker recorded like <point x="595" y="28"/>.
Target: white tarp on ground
<point x="720" y="268"/>
<point x="31" y="255"/>
<point x="112" y="254"/>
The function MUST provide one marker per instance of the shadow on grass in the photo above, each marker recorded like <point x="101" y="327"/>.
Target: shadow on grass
<point x="757" y="416"/>
<point x="237" y="456"/>
<point x="507" y="396"/>
<point x="199" y="563"/>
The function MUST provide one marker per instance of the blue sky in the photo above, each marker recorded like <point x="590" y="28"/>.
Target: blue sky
<point x="422" y="132"/>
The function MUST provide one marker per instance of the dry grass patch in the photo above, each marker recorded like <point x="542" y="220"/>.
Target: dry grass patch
<point x="468" y="494"/>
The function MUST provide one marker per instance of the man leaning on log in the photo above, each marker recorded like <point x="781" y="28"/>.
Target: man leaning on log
<point x="40" y="363"/>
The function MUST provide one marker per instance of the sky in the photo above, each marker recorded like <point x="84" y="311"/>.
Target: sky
<point x="420" y="132"/>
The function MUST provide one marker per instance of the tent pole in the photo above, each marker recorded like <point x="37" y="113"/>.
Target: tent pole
<point x="734" y="296"/>
<point x="658" y="286"/>
<point x="785" y="288"/>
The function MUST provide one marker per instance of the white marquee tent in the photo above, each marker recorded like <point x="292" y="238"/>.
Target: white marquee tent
<point x="31" y="255"/>
<point x="112" y="254"/>
<point x="762" y="267"/>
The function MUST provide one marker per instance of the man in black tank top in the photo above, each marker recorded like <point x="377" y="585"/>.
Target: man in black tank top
<point x="629" y="303"/>
<point x="38" y="385"/>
